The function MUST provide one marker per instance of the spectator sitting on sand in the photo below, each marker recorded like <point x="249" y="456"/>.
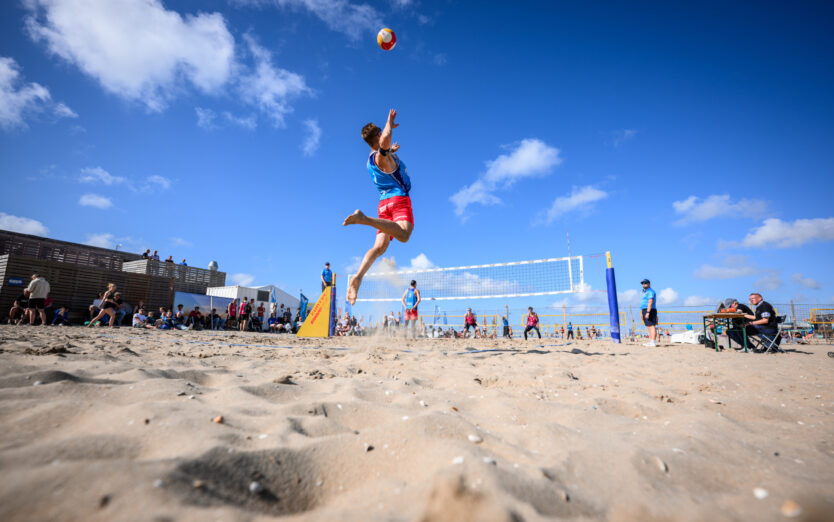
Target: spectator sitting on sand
<point x="19" y="307"/>
<point x="140" y="320"/>
<point x="195" y="318"/>
<point x="61" y="317"/>
<point x="274" y="323"/>
<point x="180" y="316"/>
<point x="215" y="321"/>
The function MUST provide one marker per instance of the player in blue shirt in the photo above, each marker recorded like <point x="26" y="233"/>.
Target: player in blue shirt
<point x="648" y="311"/>
<point x="411" y="298"/>
<point x="326" y="277"/>
<point x="390" y="176"/>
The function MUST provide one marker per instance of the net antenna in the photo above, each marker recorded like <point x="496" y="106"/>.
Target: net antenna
<point x="562" y="275"/>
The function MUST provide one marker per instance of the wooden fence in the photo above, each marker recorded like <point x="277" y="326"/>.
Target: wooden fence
<point x="186" y="278"/>
<point x="76" y="286"/>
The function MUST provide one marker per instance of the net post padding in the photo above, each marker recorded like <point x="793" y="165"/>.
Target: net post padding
<point x="552" y="276"/>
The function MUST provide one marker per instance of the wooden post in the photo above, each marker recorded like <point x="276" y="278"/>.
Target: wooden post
<point x="793" y="312"/>
<point x="564" y="318"/>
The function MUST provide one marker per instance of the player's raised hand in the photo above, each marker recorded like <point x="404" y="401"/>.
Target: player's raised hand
<point x="391" y="115"/>
<point x="395" y="147"/>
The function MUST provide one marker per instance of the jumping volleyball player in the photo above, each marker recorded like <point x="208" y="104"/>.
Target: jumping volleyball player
<point x="390" y="176"/>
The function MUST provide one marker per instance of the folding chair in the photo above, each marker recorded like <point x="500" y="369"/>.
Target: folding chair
<point x="764" y="344"/>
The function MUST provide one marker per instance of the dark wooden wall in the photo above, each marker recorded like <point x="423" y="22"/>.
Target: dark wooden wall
<point x="76" y="286"/>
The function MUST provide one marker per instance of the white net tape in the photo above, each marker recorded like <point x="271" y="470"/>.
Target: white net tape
<point x="521" y="278"/>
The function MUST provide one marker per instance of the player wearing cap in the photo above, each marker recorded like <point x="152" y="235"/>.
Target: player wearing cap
<point x="648" y="311"/>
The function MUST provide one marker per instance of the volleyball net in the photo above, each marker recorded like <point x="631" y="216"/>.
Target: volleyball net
<point x="553" y="276"/>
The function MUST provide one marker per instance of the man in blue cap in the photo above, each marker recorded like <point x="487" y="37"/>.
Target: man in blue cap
<point x="648" y="311"/>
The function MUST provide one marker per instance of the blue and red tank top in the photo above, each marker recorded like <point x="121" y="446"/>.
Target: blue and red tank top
<point x="392" y="184"/>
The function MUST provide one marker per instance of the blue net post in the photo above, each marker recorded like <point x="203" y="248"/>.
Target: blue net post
<point x="332" y="289"/>
<point x="613" y="306"/>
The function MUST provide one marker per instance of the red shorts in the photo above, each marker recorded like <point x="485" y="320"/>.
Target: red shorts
<point x="397" y="208"/>
<point x="411" y="315"/>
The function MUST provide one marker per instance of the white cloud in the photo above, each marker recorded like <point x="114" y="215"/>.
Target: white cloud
<point x="440" y="59"/>
<point x="62" y="111"/>
<point x="531" y="158"/>
<point x="421" y="262"/>
<point x="178" y="241"/>
<point x="807" y="282"/>
<point x="246" y="122"/>
<point x="268" y="87"/>
<point x="94" y="200"/>
<point x="733" y="266"/>
<point x="311" y="141"/>
<point x="785" y="234"/>
<point x="694" y="210"/>
<point x="353" y="20"/>
<point x="697" y="300"/>
<point x="580" y="199"/>
<point x="630" y="296"/>
<point x="101" y="240"/>
<point x="136" y="49"/>
<point x="205" y="118"/>
<point x="22" y="225"/>
<point x="622" y="136"/>
<point x="99" y="175"/>
<point x="667" y="296"/>
<point x="771" y="280"/>
<point x="159" y="182"/>
<point x="242" y="279"/>
<point x="17" y="98"/>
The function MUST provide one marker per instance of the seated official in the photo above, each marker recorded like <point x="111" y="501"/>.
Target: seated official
<point x="762" y="321"/>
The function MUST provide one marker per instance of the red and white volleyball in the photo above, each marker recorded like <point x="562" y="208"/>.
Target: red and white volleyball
<point x="386" y="39"/>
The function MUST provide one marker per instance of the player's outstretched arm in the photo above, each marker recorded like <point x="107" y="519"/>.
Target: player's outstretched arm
<point x="385" y="137"/>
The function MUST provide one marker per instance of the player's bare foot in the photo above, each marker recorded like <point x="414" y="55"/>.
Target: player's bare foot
<point x="353" y="289"/>
<point x="354" y="219"/>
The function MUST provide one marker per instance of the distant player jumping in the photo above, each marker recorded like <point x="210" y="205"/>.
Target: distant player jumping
<point x="390" y="176"/>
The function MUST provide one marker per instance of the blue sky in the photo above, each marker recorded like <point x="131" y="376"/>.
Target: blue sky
<point x="693" y="142"/>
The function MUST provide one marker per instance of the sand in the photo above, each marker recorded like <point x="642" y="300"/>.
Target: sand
<point x="123" y="425"/>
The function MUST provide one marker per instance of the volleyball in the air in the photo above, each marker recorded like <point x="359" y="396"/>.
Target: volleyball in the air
<point x="386" y="39"/>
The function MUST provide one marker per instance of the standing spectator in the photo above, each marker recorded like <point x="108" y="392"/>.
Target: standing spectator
<point x="410" y="299"/>
<point x="183" y="262"/>
<point x="261" y="311"/>
<point x="146" y="254"/>
<point x="231" y="312"/>
<point x="532" y="322"/>
<point x="155" y="255"/>
<point x="570" y="331"/>
<point x="508" y="333"/>
<point x="61" y="317"/>
<point x="109" y="305"/>
<point x="648" y="311"/>
<point x="326" y="277"/>
<point x="38" y="290"/>
<point x="243" y="314"/>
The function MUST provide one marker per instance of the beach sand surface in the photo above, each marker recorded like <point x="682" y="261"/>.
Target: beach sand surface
<point x="127" y="424"/>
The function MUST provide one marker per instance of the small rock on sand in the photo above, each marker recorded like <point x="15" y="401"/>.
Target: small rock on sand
<point x="791" y="509"/>
<point x="218" y="419"/>
<point x="423" y="404"/>
<point x="255" y="487"/>
<point x="197" y="484"/>
<point x="457" y="460"/>
<point x="476" y="438"/>
<point x="760" y="493"/>
<point x="661" y="465"/>
<point x="490" y="460"/>
<point x="37" y="383"/>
